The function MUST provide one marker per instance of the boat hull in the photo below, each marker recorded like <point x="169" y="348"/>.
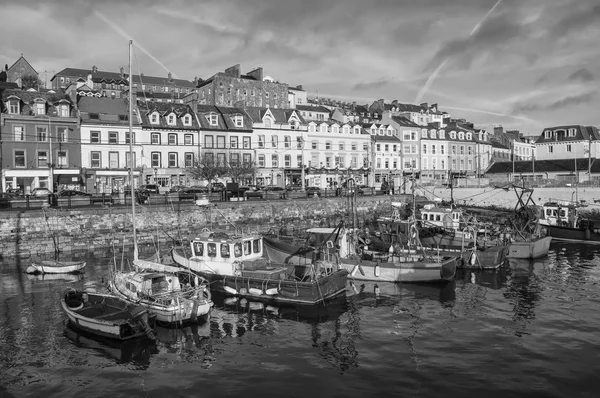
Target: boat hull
<point x="281" y="252"/>
<point x="489" y="258"/>
<point x="106" y="316"/>
<point x="412" y="271"/>
<point x="55" y="267"/>
<point x="530" y="249"/>
<point x="572" y="234"/>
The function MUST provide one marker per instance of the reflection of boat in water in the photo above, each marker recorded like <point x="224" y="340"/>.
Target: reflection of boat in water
<point x="137" y="351"/>
<point x="523" y="267"/>
<point x="369" y="290"/>
<point x="327" y="310"/>
<point x="69" y="278"/>
<point x="493" y="279"/>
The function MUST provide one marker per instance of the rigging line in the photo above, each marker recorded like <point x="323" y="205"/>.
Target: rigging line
<point x="139" y="74"/>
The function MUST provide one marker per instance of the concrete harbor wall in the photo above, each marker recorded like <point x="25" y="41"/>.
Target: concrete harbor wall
<point x="34" y="233"/>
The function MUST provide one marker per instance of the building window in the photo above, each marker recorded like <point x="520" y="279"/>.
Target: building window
<point x="233" y="142"/>
<point x="273" y="141"/>
<point x="61" y="134"/>
<point x="247" y="159"/>
<point x="469" y="150"/>
<point x="238" y="120"/>
<point x="154" y="118"/>
<point x="267" y="122"/>
<point x="212" y="119"/>
<point x="354" y="147"/>
<point x="189" y="159"/>
<point x="19" y="133"/>
<point x="261" y="141"/>
<point x="287" y="161"/>
<point x="221" y="159"/>
<point x="40" y="108"/>
<point x="568" y="147"/>
<point x="378" y="147"/>
<point x="171" y="119"/>
<point x="221" y="141"/>
<point x="287" y="141"/>
<point x="442" y="150"/>
<point x="299" y="160"/>
<point x="246" y="142"/>
<point x="95" y="137"/>
<point x="550" y="149"/>
<point x="42" y="159"/>
<point x="172" y="139"/>
<point x="188" y="139"/>
<point x="327" y="145"/>
<point x="454" y="149"/>
<point x="261" y="160"/>
<point x="95" y="160"/>
<point x="42" y="133"/>
<point x="462" y="149"/>
<point x="113" y="160"/>
<point x="13" y="107"/>
<point x="155" y="138"/>
<point x="314" y="145"/>
<point x="208" y="141"/>
<point x="274" y="161"/>
<point x="113" y="137"/>
<point x="342" y="146"/>
<point x="433" y="149"/>
<point x="365" y="147"/>
<point x="155" y="159"/>
<point x="19" y="156"/>
<point x="172" y="159"/>
<point x="127" y="137"/>
<point x="128" y="159"/>
<point x="234" y="159"/>
<point x="187" y="120"/>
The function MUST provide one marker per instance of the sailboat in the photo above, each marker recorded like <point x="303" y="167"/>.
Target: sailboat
<point x="171" y="297"/>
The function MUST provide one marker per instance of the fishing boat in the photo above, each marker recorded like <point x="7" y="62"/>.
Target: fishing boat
<point x="234" y="264"/>
<point x="345" y="247"/>
<point x="564" y="221"/>
<point x="55" y="267"/>
<point x="106" y="315"/>
<point x="163" y="294"/>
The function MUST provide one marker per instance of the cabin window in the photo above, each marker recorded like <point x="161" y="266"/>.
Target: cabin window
<point x="237" y="249"/>
<point x="548" y="212"/>
<point x="224" y="250"/>
<point x="211" y="248"/>
<point x="198" y="249"/>
<point x="130" y="286"/>
<point x="256" y="245"/>
<point x="247" y="247"/>
<point x="563" y="213"/>
<point x="438" y="218"/>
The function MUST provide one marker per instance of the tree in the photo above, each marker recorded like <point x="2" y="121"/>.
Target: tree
<point x="30" y="81"/>
<point x="205" y="167"/>
<point x="238" y="170"/>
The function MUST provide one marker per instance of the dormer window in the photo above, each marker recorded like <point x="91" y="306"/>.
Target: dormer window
<point x="442" y="134"/>
<point x="187" y="120"/>
<point x="238" y="121"/>
<point x="171" y="119"/>
<point x="13" y="107"/>
<point x="461" y="135"/>
<point x="335" y="129"/>
<point x="154" y="118"/>
<point x="453" y="135"/>
<point x="548" y="134"/>
<point x="356" y="130"/>
<point x="323" y="128"/>
<point x="212" y="119"/>
<point x="572" y="132"/>
<point x="469" y="136"/>
<point x="346" y="129"/>
<point x="433" y="134"/>
<point x="267" y="122"/>
<point x="40" y="108"/>
<point x="423" y="133"/>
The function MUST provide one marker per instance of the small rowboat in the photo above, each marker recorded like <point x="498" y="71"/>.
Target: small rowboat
<point x="106" y="315"/>
<point x="55" y="267"/>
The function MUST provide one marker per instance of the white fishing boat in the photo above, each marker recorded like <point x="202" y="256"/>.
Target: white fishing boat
<point x="55" y="267"/>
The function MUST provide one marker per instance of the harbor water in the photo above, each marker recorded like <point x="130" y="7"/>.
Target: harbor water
<point x="530" y="329"/>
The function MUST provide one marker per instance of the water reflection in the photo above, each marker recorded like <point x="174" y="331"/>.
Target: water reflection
<point x="382" y="294"/>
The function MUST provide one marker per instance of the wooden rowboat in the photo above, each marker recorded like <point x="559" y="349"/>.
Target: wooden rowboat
<point x="55" y="267"/>
<point x="106" y="315"/>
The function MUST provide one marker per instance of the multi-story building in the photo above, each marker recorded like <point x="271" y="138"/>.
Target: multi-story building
<point x="226" y="137"/>
<point x="162" y="89"/>
<point x="386" y="152"/>
<point x="297" y="96"/>
<point x="280" y="143"/>
<point x="567" y="142"/>
<point x="170" y="140"/>
<point x="500" y="153"/>
<point x="19" y="70"/>
<point x="231" y="88"/>
<point x="108" y="84"/>
<point x="423" y="114"/>
<point x="521" y="148"/>
<point x="105" y="145"/>
<point x="40" y="140"/>
<point x="409" y="153"/>
<point x="318" y="113"/>
<point x="336" y="152"/>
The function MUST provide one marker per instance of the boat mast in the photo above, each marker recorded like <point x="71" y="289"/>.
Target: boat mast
<point x="131" y="163"/>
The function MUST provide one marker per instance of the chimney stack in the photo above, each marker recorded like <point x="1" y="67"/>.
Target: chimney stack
<point x="94" y="69"/>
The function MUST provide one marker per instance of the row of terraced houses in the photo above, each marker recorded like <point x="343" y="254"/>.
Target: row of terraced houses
<point x="76" y="134"/>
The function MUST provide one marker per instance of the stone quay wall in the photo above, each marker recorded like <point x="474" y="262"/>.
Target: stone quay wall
<point x="35" y="233"/>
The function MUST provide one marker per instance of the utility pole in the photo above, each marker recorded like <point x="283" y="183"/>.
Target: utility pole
<point x="302" y="162"/>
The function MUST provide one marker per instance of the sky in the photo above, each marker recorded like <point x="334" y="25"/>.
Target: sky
<point x="522" y="64"/>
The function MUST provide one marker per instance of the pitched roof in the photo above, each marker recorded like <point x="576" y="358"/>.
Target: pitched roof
<point x="164" y="110"/>
<point x="28" y="97"/>
<point x="23" y="58"/>
<point x="99" y="76"/>
<point x="309" y="108"/>
<point x="104" y="110"/>
<point x="163" y="81"/>
<point x="554" y="165"/>
<point x="404" y="122"/>
<point x="224" y="118"/>
<point x="280" y="115"/>
<point x="581" y="133"/>
<point x="83" y="73"/>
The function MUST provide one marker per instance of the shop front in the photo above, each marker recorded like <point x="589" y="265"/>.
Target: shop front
<point x="109" y="181"/>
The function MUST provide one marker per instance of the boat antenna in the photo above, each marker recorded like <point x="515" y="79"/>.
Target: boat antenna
<point x="131" y="163"/>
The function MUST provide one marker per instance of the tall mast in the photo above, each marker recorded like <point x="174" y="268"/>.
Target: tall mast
<point x="131" y="162"/>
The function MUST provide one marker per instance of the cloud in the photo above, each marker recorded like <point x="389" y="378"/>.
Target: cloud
<point x="370" y="85"/>
<point x="576" y="17"/>
<point x="581" y="75"/>
<point x="569" y="101"/>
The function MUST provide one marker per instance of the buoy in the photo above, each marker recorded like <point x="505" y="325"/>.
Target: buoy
<point x="272" y="291"/>
<point x="473" y="258"/>
<point x="230" y="290"/>
<point x="377" y="270"/>
<point x="243" y="291"/>
<point x="243" y="302"/>
<point x="255" y="305"/>
<point x="254" y="291"/>
<point x="231" y="300"/>
<point x="273" y="309"/>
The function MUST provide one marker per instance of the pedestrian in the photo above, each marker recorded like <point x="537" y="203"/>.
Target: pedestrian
<point x="392" y="186"/>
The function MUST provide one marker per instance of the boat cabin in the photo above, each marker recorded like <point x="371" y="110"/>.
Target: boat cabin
<point x="445" y="217"/>
<point x="218" y="246"/>
<point x="152" y="283"/>
<point x="330" y="239"/>
<point x="557" y="213"/>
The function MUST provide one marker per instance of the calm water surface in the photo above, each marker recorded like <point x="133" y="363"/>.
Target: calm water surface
<point x="529" y="329"/>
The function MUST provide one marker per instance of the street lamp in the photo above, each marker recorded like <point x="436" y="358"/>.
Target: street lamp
<point x="50" y="164"/>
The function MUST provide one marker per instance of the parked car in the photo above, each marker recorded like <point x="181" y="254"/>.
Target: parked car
<point x="312" y="191"/>
<point x="72" y="192"/>
<point x="41" y="192"/>
<point x="252" y="191"/>
<point x="272" y="192"/>
<point x="190" y="193"/>
<point x="5" y="200"/>
<point x="177" y="188"/>
<point x="217" y="187"/>
<point x="152" y="188"/>
<point x="15" y="191"/>
<point x="360" y="190"/>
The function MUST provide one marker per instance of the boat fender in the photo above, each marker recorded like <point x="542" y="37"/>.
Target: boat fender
<point x="377" y="270"/>
<point x="243" y="291"/>
<point x="272" y="309"/>
<point x="473" y="258"/>
<point x="230" y="290"/>
<point x="587" y="234"/>
<point x="207" y="295"/>
<point x="367" y="241"/>
<point x="272" y="291"/>
<point x="376" y="291"/>
<point x="460" y="262"/>
<point x="230" y="300"/>
<point x="255" y="305"/>
<point x="243" y="303"/>
<point x="255" y="292"/>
